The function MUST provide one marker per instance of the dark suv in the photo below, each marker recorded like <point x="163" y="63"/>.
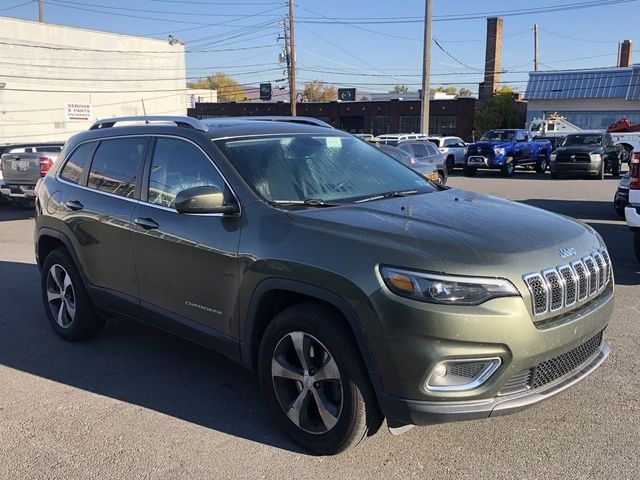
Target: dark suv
<point x="356" y="288"/>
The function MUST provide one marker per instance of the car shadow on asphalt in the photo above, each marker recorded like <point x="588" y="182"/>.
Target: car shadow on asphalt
<point x="12" y="212"/>
<point x="134" y="363"/>
<point x="613" y="229"/>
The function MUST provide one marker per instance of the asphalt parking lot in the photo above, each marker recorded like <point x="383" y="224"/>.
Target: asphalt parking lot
<point x="138" y="403"/>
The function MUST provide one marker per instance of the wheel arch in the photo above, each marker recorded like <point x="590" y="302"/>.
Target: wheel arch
<point x="48" y="240"/>
<point x="273" y="295"/>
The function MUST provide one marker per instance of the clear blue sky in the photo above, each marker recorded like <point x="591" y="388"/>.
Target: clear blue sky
<point x="368" y="56"/>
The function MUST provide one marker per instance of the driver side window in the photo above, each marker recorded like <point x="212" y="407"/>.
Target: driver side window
<point x="176" y="166"/>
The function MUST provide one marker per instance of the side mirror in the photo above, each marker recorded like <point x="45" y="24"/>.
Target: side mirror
<point x="208" y="199"/>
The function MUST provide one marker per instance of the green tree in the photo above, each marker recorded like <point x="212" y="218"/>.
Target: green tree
<point x="228" y="89"/>
<point x="448" y="90"/>
<point x="464" y="92"/>
<point x="318" y="91"/>
<point x="497" y="112"/>
<point x="400" y="89"/>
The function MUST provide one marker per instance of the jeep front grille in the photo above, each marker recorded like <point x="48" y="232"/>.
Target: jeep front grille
<point x="563" y="286"/>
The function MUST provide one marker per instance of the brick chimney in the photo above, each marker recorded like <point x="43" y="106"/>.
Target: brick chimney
<point x="492" y="59"/>
<point x="624" y="59"/>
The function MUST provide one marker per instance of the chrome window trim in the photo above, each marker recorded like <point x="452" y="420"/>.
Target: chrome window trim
<point x="138" y="201"/>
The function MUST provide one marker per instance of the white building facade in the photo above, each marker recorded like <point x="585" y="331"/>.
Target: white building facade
<point x="56" y="80"/>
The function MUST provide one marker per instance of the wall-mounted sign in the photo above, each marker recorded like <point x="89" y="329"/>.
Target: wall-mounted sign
<point x="347" y="94"/>
<point x="78" y="111"/>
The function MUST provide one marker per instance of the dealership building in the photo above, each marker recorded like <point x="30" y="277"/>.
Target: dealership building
<point x="56" y="80"/>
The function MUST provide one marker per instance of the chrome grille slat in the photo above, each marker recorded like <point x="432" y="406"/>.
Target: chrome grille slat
<point x="565" y="285"/>
<point x="593" y="273"/>
<point x="570" y="284"/>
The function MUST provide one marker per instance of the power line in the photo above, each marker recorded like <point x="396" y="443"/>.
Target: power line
<point x="16" y="6"/>
<point x="578" y="39"/>
<point x="469" y="16"/>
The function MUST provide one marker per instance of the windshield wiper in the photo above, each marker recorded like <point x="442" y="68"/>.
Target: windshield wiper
<point x="391" y="194"/>
<point x="308" y="202"/>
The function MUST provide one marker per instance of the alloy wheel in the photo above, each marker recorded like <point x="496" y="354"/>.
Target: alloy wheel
<point x="307" y="382"/>
<point x="61" y="297"/>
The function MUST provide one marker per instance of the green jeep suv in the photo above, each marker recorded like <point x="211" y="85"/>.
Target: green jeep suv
<point x="357" y="289"/>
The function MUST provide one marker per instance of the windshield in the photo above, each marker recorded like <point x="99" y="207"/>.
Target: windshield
<point x="582" y="139"/>
<point x="330" y="168"/>
<point x="498" y="135"/>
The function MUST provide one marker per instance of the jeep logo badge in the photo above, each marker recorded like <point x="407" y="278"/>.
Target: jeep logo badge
<point x="567" y="252"/>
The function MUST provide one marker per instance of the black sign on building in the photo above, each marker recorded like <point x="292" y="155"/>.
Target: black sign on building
<point x="265" y="91"/>
<point x="347" y="94"/>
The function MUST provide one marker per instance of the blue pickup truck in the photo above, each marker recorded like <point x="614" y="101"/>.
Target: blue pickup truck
<point x="505" y="149"/>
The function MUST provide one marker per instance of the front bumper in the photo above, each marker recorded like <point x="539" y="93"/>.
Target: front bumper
<point x="410" y="412"/>
<point x="494" y="162"/>
<point x="585" y="168"/>
<point x="632" y="215"/>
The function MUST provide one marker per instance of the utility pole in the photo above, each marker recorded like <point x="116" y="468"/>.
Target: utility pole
<point x="291" y="61"/>
<point x="426" y="69"/>
<point x="535" y="47"/>
<point x="40" y="12"/>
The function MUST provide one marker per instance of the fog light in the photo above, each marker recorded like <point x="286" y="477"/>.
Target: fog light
<point x="461" y="375"/>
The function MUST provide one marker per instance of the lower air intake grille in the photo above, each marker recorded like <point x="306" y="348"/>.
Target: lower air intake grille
<point x="465" y="369"/>
<point x="561" y="365"/>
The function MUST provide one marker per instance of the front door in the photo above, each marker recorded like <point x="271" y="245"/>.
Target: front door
<point x="187" y="265"/>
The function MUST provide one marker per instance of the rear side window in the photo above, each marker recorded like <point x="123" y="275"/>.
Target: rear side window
<point x="72" y="170"/>
<point x="420" y="150"/>
<point x="176" y="166"/>
<point x="115" y="165"/>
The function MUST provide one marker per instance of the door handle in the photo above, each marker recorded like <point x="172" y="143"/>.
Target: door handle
<point x="146" y="223"/>
<point x="74" y="205"/>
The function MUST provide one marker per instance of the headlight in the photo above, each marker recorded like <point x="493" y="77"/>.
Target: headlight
<point x="499" y="151"/>
<point x="595" y="157"/>
<point x="446" y="289"/>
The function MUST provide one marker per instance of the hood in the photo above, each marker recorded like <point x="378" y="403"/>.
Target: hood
<point x="581" y="149"/>
<point x="455" y="232"/>
<point x="490" y="144"/>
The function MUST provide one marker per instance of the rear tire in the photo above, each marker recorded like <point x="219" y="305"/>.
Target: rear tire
<point x="66" y="301"/>
<point x="451" y="161"/>
<point x="322" y="399"/>
<point x="636" y="245"/>
<point x="554" y="176"/>
<point x="469" y="171"/>
<point x="615" y="167"/>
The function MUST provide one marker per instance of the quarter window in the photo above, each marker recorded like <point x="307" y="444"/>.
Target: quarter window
<point x="176" y="166"/>
<point x="420" y="150"/>
<point x="72" y="170"/>
<point x="115" y="165"/>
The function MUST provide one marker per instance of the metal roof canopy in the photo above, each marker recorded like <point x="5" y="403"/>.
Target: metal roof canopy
<point x="580" y="84"/>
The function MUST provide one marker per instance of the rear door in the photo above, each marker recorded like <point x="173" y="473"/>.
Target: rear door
<point x="187" y="265"/>
<point x="100" y="194"/>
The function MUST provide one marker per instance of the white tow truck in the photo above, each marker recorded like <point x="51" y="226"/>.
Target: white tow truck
<point x="622" y="132"/>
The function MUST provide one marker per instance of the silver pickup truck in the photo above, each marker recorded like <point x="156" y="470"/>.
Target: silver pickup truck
<point x="21" y="171"/>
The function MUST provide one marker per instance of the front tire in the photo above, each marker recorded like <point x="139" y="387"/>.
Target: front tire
<point x="615" y="167"/>
<point x="508" y="168"/>
<point x="636" y="245"/>
<point x="315" y="381"/>
<point x="542" y="164"/>
<point x="469" y="171"/>
<point x="66" y="301"/>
